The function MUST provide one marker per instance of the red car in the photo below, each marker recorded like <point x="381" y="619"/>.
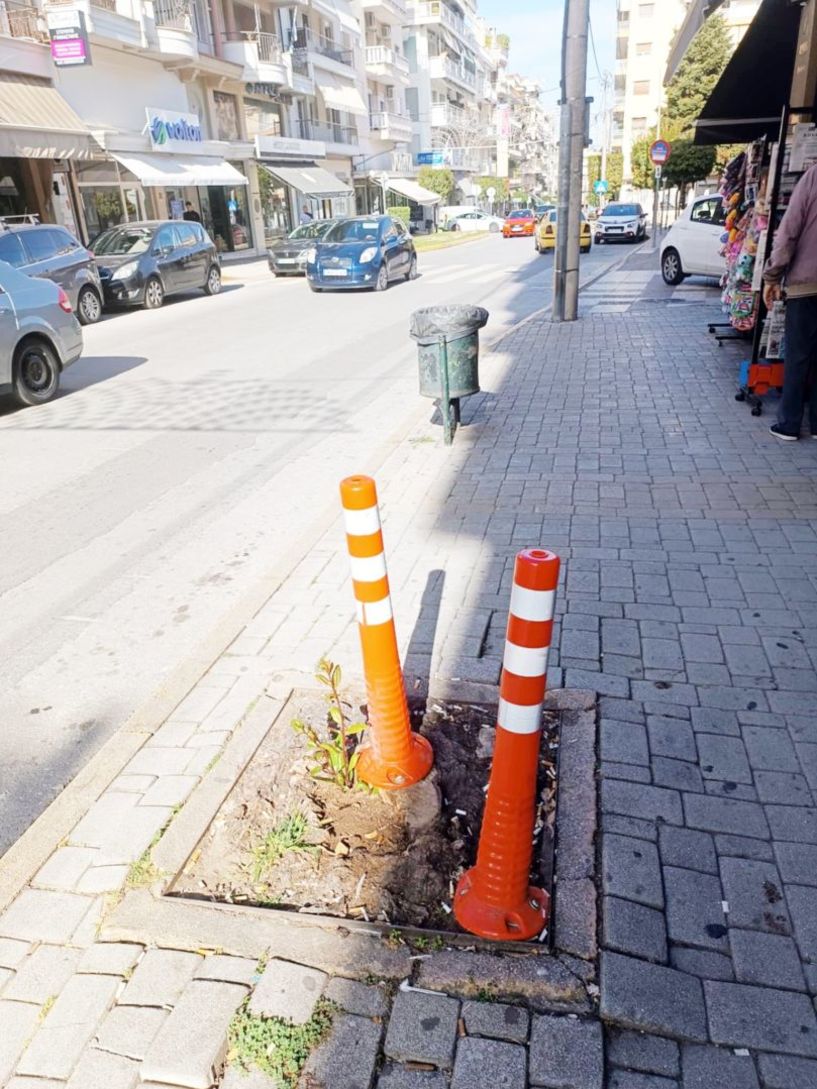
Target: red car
<point x="519" y="224"/>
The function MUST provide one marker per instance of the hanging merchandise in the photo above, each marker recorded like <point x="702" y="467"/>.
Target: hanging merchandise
<point x="745" y="220"/>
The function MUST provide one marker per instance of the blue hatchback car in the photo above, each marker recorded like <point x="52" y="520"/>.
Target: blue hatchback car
<point x="366" y="251"/>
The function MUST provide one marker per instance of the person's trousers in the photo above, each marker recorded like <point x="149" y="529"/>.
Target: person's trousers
<point x="800" y="362"/>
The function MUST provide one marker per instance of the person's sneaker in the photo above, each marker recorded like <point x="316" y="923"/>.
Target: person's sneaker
<point x="813" y="435"/>
<point x="784" y="435"/>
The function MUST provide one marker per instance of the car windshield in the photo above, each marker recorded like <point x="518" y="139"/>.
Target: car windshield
<point x="311" y="230"/>
<point x="122" y="240"/>
<point x="525" y="213"/>
<point x="354" y="230"/>
<point x="621" y="210"/>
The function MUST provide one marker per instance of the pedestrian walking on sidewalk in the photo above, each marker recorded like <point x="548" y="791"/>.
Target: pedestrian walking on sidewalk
<point x="794" y="259"/>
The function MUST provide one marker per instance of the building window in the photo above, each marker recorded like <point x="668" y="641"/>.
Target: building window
<point x="641" y="87"/>
<point x="226" y="116"/>
<point x="262" y="118"/>
<point x="639" y="126"/>
<point x="646" y="11"/>
<point x="643" y="49"/>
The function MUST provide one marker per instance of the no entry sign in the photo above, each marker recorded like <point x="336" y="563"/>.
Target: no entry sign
<point x="659" y="152"/>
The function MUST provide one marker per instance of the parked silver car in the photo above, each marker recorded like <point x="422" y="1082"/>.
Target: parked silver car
<point x="39" y="336"/>
<point x="50" y="251"/>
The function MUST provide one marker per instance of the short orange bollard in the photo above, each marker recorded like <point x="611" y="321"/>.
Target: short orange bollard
<point x="396" y="756"/>
<point x="493" y="898"/>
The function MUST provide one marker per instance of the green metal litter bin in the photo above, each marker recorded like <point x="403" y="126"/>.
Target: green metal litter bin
<point x="448" y="356"/>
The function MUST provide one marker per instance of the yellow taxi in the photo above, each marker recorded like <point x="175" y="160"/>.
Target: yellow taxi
<point x="544" y="237"/>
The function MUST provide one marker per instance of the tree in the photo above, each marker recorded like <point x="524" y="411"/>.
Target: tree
<point x="439" y="180"/>
<point x="688" y="164"/>
<point x="487" y="182"/>
<point x="641" y="166"/>
<point x="697" y="74"/>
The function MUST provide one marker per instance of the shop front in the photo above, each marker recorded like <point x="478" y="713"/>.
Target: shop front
<point x="40" y="137"/>
<point x="295" y="184"/>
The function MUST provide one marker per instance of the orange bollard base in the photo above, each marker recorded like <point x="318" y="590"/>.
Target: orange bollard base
<point x="389" y="775"/>
<point x="521" y="923"/>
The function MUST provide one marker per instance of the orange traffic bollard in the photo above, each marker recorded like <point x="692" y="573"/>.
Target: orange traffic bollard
<point x="493" y="898"/>
<point x="396" y="756"/>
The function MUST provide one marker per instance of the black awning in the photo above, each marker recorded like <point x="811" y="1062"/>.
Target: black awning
<point x="748" y="99"/>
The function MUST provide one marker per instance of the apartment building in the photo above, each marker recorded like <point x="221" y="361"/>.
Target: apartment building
<point x="451" y="94"/>
<point x="644" y="32"/>
<point x="533" y="152"/>
<point x="253" y="112"/>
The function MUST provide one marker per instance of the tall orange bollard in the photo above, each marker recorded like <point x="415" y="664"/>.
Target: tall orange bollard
<point x="396" y="756"/>
<point x="493" y="898"/>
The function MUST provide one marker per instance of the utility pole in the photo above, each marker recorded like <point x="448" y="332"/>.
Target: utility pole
<point x="571" y="147"/>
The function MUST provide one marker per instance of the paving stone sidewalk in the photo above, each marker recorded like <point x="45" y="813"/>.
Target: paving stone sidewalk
<point x="687" y="602"/>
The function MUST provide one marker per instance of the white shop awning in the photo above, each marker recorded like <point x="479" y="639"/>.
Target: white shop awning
<point x="407" y="188"/>
<point x="37" y="123"/>
<point x="160" y="171"/>
<point x="312" y="181"/>
<point x="338" y="95"/>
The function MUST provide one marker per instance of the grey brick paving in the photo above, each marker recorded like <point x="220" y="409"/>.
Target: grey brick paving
<point x="400" y="1077"/>
<point x="489" y="1064"/>
<point x="755" y="895"/>
<point x="687" y="848"/>
<point x="760" y="1017"/>
<point x="787" y="1072"/>
<point x="717" y="1068"/>
<point x="632" y="928"/>
<point x="360" y="998"/>
<point x="43" y="974"/>
<point x="638" y="995"/>
<point x="694" y="912"/>
<point x="69" y="1026"/>
<point x="640" y="1051"/>
<point x="566" y="1053"/>
<point x="347" y="1059"/>
<point x="423" y="1028"/>
<point x="769" y="959"/>
<point x="631" y="869"/>
<point x="160" y="977"/>
<point x="497" y="1020"/>
<point x="130" y="1030"/>
<point x="631" y="1079"/>
<point x="287" y="990"/>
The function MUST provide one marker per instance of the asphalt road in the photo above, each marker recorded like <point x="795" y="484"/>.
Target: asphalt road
<point x="189" y="451"/>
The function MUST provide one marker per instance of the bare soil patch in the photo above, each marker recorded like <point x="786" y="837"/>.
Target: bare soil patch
<point x="284" y="840"/>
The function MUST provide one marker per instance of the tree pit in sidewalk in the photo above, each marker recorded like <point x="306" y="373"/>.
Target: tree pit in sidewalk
<point x="288" y="841"/>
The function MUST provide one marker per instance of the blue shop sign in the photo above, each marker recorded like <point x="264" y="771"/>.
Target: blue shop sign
<point x="167" y="128"/>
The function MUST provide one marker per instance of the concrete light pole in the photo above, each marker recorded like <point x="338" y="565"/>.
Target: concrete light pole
<point x="571" y="146"/>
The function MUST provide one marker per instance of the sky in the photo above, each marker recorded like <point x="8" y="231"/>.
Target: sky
<point x="535" y="30"/>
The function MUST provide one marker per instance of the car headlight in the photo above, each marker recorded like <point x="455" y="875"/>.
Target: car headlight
<point x="368" y="254"/>
<point x="312" y="255"/>
<point x="125" y="271"/>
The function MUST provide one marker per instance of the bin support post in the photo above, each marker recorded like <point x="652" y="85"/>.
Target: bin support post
<point x="445" y="402"/>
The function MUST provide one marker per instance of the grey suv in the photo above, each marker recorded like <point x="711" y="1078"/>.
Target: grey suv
<point x="52" y="253"/>
<point x="39" y="336"/>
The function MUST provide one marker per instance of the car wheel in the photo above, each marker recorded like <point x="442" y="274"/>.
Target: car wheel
<point x="382" y="281"/>
<point x="455" y="227"/>
<point x="154" y="293"/>
<point x="412" y="272"/>
<point x="585" y="249"/>
<point x="36" y="373"/>
<point x="671" y="268"/>
<point x="212" y="285"/>
<point x="89" y="306"/>
<point x="494" y="228"/>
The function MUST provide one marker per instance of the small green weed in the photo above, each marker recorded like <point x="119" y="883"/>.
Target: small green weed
<point x="288" y="834"/>
<point x="276" y="1047"/>
<point x="142" y="872"/>
<point x="334" y="760"/>
<point x="486" y="993"/>
<point x="45" y="1009"/>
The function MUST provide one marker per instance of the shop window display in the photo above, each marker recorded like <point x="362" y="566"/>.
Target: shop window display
<point x="274" y="206"/>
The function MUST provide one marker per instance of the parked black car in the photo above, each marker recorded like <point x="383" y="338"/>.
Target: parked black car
<point x="287" y="256"/>
<point x="52" y="253"/>
<point x="141" y="263"/>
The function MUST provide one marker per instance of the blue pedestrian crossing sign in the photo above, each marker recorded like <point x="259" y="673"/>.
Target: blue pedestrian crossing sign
<point x="601" y="186"/>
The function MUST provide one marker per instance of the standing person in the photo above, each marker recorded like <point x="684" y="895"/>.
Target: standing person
<point x="306" y="215"/>
<point x="191" y="214"/>
<point x="794" y="258"/>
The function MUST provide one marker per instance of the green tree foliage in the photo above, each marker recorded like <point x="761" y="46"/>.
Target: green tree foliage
<point x="500" y="184"/>
<point x="697" y="74"/>
<point x="640" y="162"/>
<point x="615" y="169"/>
<point x="439" y="180"/>
<point x="688" y="164"/>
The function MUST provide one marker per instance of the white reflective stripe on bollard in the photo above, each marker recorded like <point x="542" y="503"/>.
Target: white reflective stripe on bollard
<point x="518" y="718"/>
<point x="374" y="612"/>
<point x="368" y="568"/>
<point x="525" y="661"/>
<point x="534" y="605"/>
<point x="361" y="523"/>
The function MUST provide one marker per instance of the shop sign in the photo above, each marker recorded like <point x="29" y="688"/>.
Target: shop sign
<point x="170" y="130"/>
<point x="69" y="38"/>
<point x="430" y="158"/>
<point x="269" y="90"/>
<point x="268" y="147"/>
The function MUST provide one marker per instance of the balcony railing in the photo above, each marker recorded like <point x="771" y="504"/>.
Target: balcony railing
<point x="22" y="21"/>
<point x="330" y="132"/>
<point x="436" y="9"/>
<point x="384" y="54"/>
<point x="444" y="66"/>
<point x="395" y="123"/>
<point x="303" y="39"/>
<point x="176" y="14"/>
<point x="268" y="45"/>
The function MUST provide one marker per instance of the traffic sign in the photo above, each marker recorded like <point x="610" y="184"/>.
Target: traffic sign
<point x="601" y="186"/>
<point x="660" y="151"/>
<point x="430" y="158"/>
